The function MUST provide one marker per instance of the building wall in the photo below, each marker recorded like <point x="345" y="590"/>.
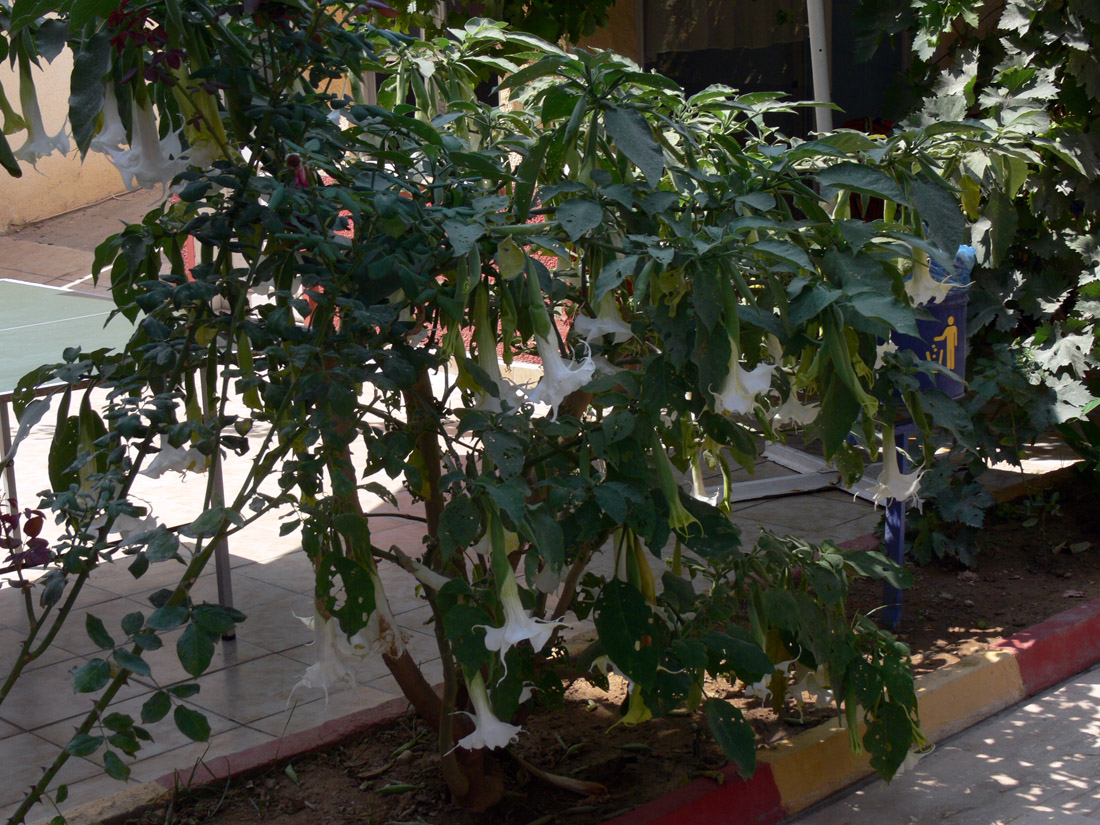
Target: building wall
<point x="621" y="33"/>
<point x="60" y="184"/>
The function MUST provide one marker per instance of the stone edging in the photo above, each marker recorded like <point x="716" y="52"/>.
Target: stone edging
<point x="797" y="773"/>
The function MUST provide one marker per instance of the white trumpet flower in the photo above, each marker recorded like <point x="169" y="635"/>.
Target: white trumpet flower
<point x="814" y="682"/>
<point x="739" y="391"/>
<point x="38" y="144"/>
<point x="176" y="459"/>
<point x="150" y="161"/>
<point x="518" y="625"/>
<point x="892" y="483"/>
<point x="922" y="287"/>
<point x="559" y="377"/>
<point x="335" y="657"/>
<point x="112" y="133"/>
<point x="489" y="732"/>
<point x="793" y="411"/>
<point x="607" y="322"/>
<point x="761" y="689"/>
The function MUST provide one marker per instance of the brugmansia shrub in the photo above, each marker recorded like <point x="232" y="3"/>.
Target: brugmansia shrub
<point x="690" y="280"/>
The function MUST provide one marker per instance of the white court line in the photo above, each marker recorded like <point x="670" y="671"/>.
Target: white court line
<point x="56" y="321"/>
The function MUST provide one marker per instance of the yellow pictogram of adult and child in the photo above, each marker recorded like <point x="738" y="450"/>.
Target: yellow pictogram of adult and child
<point x="945" y="355"/>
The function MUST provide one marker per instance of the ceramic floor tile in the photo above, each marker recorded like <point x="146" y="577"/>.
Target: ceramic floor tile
<point x="250" y="691"/>
<point x="293" y="571"/>
<point x="248" y="593"/>
<point x="11" y="642"/>
<point x="166" y="736"/>
<point x="274" y="626"/>
<point x="7" y="729"/>
<point x="24" y="757"/>
<point x="822" y="510"/>
<point x="46" y="696"/>
<point x="304" y="715"/>
<point x="116" y="578"/>
<point x="167" y="670"/>
<point x="74" y="635"/>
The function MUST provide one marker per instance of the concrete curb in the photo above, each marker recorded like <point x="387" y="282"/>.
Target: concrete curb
<point x="796" y="774"/>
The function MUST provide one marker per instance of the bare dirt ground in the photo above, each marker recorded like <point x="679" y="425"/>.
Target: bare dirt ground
<point x="1036" y="558"/>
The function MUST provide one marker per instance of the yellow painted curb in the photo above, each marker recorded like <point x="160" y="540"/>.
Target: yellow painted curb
<point x="957" y="696"/>
<point x="811" y="766"/>
<point x="125" y="803"/>
<point x="814" y="764"/>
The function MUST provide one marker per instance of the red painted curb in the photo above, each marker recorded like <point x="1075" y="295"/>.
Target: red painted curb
<point x="1056" y="649"/>
<point x="703" y="802"/>
<point x="267" y="754"/>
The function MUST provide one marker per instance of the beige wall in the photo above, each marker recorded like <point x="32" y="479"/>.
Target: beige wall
<point x="621" y="33"/>
<point x="60" y="184"/>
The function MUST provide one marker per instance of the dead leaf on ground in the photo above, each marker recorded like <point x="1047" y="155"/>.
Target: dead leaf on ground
<point x="968" y="576"/>
<point x="1073" y="594"/>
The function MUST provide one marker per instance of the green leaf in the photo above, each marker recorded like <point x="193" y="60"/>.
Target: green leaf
<point x="578" y="215"/>
<point x="25" y="12"/>
<point x="357" y="591"/>
<point x="195" y="648"/>
<point x="733" y="734"/>
<point x="97" y="632"/>
<point x="83" y="744"/>
<point x="889" y="734"/>
<point x="874" y="565"/>
<point x="464" y="626"/>
<point x="783" y="251"/>
<point x="156" y="707"/>
<point x="614" y="274"/>
<point x="168" y="617"/>
<point x="92" y="677"/>
<point x="185" y="691"/>
<point x="548" y="65"/>
<point x="738" y="654"/>
<point x="133" y="622"/>
<point x="940" y="209"/>
<point x="7" y="158"/>
<point x="546" y="533"/>
<point x="625" y="624"/>
<point x="162" y="545"/>
<point x="115" y="767"/>
<point x="633" y="137"/>
<point x="866" y="180"/>
<point x="527" y="175"/>
<point x="191" y="723"/>
<point x="463" y="236"/>
<point x="216" y="619"/>
<point x="132" y="662"/>
<point x="459" y="525"/>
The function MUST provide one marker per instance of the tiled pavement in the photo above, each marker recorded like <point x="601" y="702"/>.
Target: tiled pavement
<point x="246" y="695"/>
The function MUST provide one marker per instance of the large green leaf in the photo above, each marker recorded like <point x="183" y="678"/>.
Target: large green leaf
<point x="90" y="63"/>
<point x="191" y="723"/>
<point x="633" y="137"/>
<point x="733" y="734"/>
<point x="195" y="648"/>
<point x="579" y="215"/>
<point x="625" y="624"/>
<point x="940" y="209"/>
<point x="864" y="179"/>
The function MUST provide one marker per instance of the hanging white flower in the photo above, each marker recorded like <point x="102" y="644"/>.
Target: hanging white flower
<point x="335" y="657"/>
<point x="489" y="732"/>
<point x="922" y="287"/>
<point x="793" y="411"/>
<point x="814" y="682"/>
<point x="126" y="526"/>
<point x="892" y="483"/>
<point x="176" y="459"/>
<point x="381" y="634"/>
<point x="150" y="161"/>
<point x="761" y="689"/>
<point x="912" y="758"/>
<point x="112" y="133"/>
<point x="560" y="378"/>
<point x="882" y="350"/>
<point x="738" y="393"/>
<point x="518" y="625"/>
<point x="38" y="144"/>
<point x="607" y="322"/>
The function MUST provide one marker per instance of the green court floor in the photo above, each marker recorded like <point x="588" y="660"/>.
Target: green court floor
<point x="37" y="323"/>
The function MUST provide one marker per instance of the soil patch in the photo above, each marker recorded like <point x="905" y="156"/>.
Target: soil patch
<point x="1036" y="558"/>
